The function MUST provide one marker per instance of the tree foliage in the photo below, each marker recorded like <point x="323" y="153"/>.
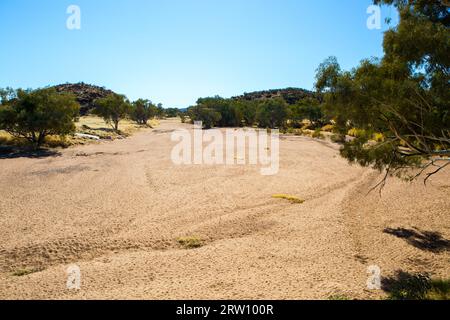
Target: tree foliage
<point x="112" y="109"/>
<point x="404" y="96"/>
<point x="307" y="109"/>
<point x="34" y="115"/>
<point x="143" y="110"/>
<point x="272" y="113"/>
<point x="172" y="112"/>
<point x="208" y="116"/>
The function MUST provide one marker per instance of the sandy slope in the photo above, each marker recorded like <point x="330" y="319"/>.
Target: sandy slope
<point x="117" y="208"/>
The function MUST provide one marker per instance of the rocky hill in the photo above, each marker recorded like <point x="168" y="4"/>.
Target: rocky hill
<point x="86" y="94"/>
<point x="290" y="95"/>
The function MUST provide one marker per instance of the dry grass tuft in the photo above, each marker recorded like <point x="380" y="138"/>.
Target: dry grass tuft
<point x="292" y="199"/>
<point x="25" y="271"/>
<point x="192" y="242"/>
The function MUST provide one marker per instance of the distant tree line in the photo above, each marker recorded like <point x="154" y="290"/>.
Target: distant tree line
<point x="265" y="113"/>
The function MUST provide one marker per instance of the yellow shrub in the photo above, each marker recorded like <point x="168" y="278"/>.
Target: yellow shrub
<point x="328" y="128"/>
<point x="354" y="132"/>
<point x="378" y="137"/>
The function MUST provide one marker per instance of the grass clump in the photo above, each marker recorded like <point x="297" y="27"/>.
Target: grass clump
<point x="192" y="242"/>
<point x="406" y="286"/>
<point x="292" y="199"/>
<point x="24" y="272"/>
<point x="8" y="140"/>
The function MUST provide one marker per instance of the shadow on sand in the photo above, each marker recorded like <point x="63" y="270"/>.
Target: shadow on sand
<point x="7" y="152"/>
<point x="423" y="240"/>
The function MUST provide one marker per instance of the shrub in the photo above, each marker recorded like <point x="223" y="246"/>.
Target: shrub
<point x="190" y="242"/>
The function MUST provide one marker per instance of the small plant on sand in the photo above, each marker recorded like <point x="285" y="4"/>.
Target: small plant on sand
<point x="292" y="199"/>
<point x="24" y="272"/>
<point x="338" y="297"/>
<point x="407" y="286"/>
<point x="190" y="242"/>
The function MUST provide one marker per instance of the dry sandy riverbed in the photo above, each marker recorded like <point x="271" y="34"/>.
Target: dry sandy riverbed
<point x="116" y="209"/>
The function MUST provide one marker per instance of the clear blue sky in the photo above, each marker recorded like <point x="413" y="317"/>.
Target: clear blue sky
<point x="174" y="51"/>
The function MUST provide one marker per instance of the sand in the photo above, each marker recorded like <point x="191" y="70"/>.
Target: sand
<point x="116" y="209"/>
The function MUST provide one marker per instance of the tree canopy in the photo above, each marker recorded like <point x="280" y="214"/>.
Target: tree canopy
<point x="112" y="109"/>
<point x="143" y="110"/>
<point x="34" y="115"/>
<point x="404" y="96"/>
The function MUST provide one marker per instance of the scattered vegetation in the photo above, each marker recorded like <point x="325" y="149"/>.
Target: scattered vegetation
<point x="419" y="286"/>
<point x="192" y="242"/>
<point x="292" y="199"/>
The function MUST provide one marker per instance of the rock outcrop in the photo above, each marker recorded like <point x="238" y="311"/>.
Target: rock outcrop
<point x="85" y="94"/>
